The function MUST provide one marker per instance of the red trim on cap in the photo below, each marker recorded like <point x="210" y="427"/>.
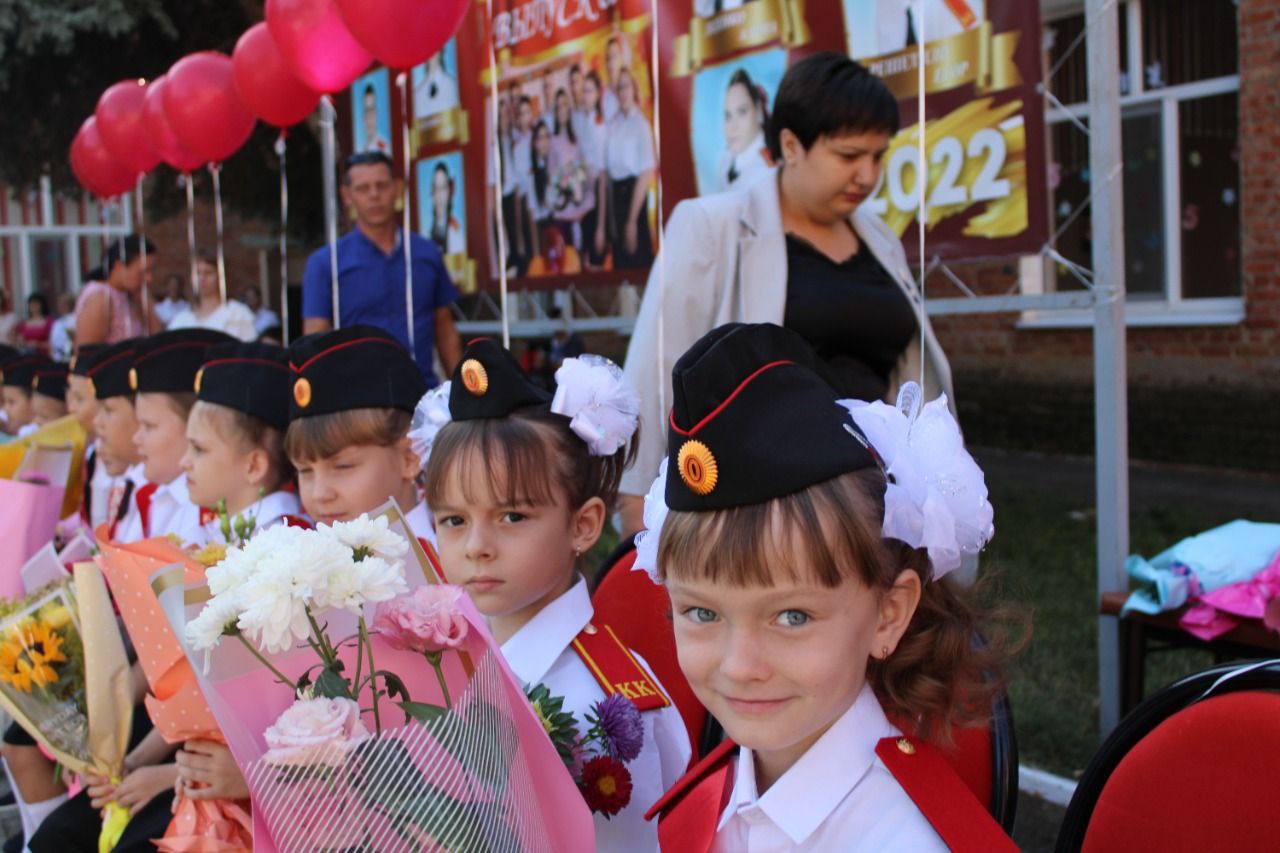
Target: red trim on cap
<point x="147" y="356"/>
<point x="93" y="370"/>
<point x="476" y="341"/>
<point x="720" y="408"/>
<point x="263" y="361"/>
<point x="298" y="368"/>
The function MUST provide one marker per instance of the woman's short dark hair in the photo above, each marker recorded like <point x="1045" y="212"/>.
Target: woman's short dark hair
<point x="41" y="300"/>
<point x="829" y="93"/>
<point x="124" y="251"/>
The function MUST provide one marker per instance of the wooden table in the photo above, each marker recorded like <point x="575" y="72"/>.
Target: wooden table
<point x="1140" y="631"/>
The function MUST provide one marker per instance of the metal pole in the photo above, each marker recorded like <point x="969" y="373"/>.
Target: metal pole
<point x="329" y="161"/>
<point x="1111" y="413"/>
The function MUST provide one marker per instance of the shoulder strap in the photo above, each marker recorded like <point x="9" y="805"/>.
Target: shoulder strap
<point x="689" y="813"/>
<point x="86" y="497"/>
<point x="946" y="802"/>
<point x="117" y="511"/>
<point x="144" y="496"/>
<point x="616" y="668"/>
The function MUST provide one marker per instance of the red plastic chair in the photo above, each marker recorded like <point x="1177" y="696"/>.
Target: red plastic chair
<point x="1194" y="767"/>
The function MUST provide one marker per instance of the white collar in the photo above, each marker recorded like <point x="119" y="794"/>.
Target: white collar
<point x="176" y="489"/>
<point x="750" y="153"/>
<point x="134" y="475"/>
<point x="533" y="649"/>
<point x="819" y="781"/>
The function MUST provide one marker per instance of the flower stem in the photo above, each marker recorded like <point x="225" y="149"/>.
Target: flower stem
<point x="257" y="654"/>
<point x="325" y="651"/>
<point x="435" y="658"/>
<point x="373" y="674"/>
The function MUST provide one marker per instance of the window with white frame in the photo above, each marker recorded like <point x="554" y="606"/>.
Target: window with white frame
<point x="1181" y="171"/>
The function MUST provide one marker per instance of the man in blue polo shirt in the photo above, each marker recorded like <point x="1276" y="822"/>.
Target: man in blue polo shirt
<point x="371" y="271"/>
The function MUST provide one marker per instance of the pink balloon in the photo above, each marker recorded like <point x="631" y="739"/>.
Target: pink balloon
<point x="204" y="110"/>
<point x="316" y="43"/>
<point x="95" y="167"/>
<point x="265" y="82"/>
<point x="403" y="33"/>
<point x="120" y="124"/>
<point x="161" y="135"/>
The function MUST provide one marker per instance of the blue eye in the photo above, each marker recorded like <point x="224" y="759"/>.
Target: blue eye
<point x="700" y="615"/>
<point x="793" y="618"/>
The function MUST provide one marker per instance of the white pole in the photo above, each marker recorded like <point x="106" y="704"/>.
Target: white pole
<point x="1111" y="417"/>
<point x="329" y="161"/>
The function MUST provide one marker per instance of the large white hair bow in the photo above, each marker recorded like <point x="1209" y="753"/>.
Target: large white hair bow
<point x="655" y="516"/>
<point x="603" y="409"/>
<point x="936" y="497"/>
<point x="429" y="417"/>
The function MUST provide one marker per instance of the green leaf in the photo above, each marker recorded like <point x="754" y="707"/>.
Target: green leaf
<point x="331" y="685"/>
<point x="395" y="686"/>
<point x="421" y="711"/>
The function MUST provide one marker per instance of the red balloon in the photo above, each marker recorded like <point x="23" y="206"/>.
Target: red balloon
<point x="316" y="43"/>
<point x="403" y="33"/>
<point x="204" y="110"/>
<point x="120" y="124"/>
<point x="265" y="82"/>
<point x="95" y="167"/>
<point x="160" y="134"/>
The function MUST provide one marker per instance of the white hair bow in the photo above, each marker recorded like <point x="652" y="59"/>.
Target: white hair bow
<point x="429" y="417"/>
<point x="603" y="409"/>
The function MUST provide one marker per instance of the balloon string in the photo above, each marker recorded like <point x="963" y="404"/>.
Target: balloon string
<point x="120" y="242"/>
<point x="215" y="169"/>
<point x="330" y="147"/>
<point x="142" y="253"/>
<point x="402" y="80"/>
<point x="663" y="376"/>
<point x="189" y="180"/>
<point x="499" y="179"/>
<point x="284" y="239"/>
<point x="922" y="177"/>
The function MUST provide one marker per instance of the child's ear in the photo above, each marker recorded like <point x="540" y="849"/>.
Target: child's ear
<point x="587" y="524"/>
<point x="410" y="467"/>
<point x="259" y="467"/>
<point x="897" y="606"/>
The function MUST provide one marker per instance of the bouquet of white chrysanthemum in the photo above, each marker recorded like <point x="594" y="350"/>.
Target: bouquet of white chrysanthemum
<point x="329" y="614"/>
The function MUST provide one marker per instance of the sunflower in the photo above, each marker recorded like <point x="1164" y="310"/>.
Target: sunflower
<point x="27" y="653"/>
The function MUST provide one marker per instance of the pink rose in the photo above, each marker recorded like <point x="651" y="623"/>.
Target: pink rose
<point x="315" y="731"/>
<point x="425" y="620"/>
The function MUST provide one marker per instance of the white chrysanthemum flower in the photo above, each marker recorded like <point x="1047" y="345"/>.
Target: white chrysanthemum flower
<point x="368" y="534"/>
<point x="274" y="616"/>
<point x="204" y="632"/>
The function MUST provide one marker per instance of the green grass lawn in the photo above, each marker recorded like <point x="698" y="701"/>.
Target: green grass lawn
<point x="1043" y="556"/>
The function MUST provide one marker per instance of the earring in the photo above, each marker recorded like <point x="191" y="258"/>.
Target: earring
<point x="884" y="653"/>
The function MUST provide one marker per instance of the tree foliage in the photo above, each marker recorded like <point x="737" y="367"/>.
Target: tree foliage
<point x="57" y="57"/>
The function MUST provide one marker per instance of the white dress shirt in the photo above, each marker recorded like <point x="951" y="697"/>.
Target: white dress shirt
<point x="838" y="796"/>
<point x="435" y="93"/>
<point x="542" y="653"/>
<point x="171" y="512"/>
<point x="267" y="512"/>
<point x="746" y="164"/>
<point x="931" y="19"/>
<point x="231" y="317"/>
<point x="100" y="492"/>
<point x="630" y="146"/>
<point x="167" y="309"/>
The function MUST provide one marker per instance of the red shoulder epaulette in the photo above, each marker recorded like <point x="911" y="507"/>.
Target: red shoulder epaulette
<point x="143" y="500"/>
<point x="946" y="802"/>
<point x="297" y="521"/>
<point x="616" y="668"/>
<point x="690" y="812"/>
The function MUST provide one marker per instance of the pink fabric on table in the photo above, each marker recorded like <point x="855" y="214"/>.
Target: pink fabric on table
<point x="1221" y="610"/>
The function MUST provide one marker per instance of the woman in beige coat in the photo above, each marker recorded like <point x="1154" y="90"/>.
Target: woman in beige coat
<point x="793" y="247"/>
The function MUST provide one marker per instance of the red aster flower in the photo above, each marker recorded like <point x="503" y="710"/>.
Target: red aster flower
<point x="606" y="785"/>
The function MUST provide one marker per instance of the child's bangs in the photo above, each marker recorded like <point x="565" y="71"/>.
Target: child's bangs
<point x="322" y="436"/>
<point x="811" y="536"/>
<point x="507" y="457"/>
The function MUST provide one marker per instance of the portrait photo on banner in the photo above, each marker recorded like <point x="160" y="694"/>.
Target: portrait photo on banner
<point x="435" y="83"/>
<point x="442" y="209"/>
<point x="575" y="144"/>
<point x="371" y="112"/>
<point x="730" y="106"/>
<point x="896" y="25"/>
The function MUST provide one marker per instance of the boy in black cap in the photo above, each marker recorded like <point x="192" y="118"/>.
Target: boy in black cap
<point x="49" y="393"/>
<point x="163" y="376"/>
<point x="19" y="377"/>
<point x="235" y="460"/>
<point x="106" y="373"/>
<point x="352" y="397"/>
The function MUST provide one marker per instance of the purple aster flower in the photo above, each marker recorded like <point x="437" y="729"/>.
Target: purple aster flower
<point x="619" y="722"/>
